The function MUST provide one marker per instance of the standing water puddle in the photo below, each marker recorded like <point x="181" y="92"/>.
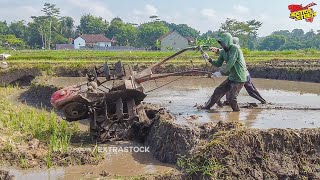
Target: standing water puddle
<point x="181" y="96"/>
<point x="118" y="162"/>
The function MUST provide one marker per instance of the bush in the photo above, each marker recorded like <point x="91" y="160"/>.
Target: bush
<point x="246" y="51"/>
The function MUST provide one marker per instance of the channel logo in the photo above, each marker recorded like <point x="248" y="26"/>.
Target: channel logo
<point x="299" y="12"/>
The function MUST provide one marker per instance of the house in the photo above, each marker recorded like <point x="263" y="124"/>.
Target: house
<point x="173" y="41"/>
<point x="92" y="40"/>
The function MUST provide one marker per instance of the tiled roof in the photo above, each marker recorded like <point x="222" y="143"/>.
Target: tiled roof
<point x="94" y="38"/>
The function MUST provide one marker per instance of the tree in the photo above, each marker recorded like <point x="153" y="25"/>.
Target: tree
<point x="90" y="24"/>
<point x="51" y="12"/>
<point x="292" y="45"/>
<point x="3" y="27"/>
<point x="12" y="40"/>
<point x="285" y="33"/>
<point x="149" y="32"/>
<point x="34" y="37"/>
<point x="67" y="27"/>
<point x="59" y="39"/>
<point x="125" y="33"/>
<point x="246" y="31"/>
<point x="183" y="29"/>
<point x="272" y="42"/>
<point x="19" y="29"/>
<point x="211" y="34"/>
<point x="309" y="35"/>
<point x="297" y="34"/>
<point x="252" y="27"/>
<point x="46" y="23"/>
<point x="43" y="28"/>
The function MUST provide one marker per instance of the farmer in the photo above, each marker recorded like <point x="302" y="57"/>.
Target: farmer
<point x="248" y="85"/>
<point x="235" y="67"/>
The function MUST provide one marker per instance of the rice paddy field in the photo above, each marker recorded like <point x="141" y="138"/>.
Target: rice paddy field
<point x="36" y="137"/>
<point x="86" y="56"/>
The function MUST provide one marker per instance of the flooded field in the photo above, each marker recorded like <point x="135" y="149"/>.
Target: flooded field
<point x="290" y="104"/>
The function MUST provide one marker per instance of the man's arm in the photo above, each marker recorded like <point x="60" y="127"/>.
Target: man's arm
<point x="217" y="63"/>
<point x="233" y="55"/>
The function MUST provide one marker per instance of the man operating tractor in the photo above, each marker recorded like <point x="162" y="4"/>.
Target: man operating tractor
<point x="236" y="68"/>
<point x="250" y="88"/>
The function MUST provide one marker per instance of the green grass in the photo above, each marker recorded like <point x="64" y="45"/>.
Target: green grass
<point x="198" y="165"/>
<point x="63" y="57"/>
<point x="38" y="124"/>
<point x="22" y="122"/>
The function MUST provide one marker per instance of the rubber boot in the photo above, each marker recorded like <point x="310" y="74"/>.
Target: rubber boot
<point x="234" y="105"/>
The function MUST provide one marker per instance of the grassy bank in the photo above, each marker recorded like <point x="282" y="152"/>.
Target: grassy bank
<point x="32" y="137"/>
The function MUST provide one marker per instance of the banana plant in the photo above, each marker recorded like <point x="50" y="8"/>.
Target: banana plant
<point x="209" y="41"/>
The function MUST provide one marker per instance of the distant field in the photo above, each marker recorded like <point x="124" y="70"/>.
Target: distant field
<point x="88" y="57"/>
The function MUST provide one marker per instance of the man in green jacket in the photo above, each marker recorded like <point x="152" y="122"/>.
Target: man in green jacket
<point x="248" y="85"/>
<point x="235" y="67"/>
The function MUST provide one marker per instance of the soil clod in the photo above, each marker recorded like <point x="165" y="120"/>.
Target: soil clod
<point x="4" y="175"/>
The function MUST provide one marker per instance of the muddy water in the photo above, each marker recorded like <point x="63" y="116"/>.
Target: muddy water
<point x="181" y="96"/>
<point x="117" y="163"/>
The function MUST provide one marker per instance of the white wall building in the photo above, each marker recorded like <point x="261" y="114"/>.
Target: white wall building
<point x="173" y="41"/>
<point x="78" y="42"/>
<point x="92" y="40"/>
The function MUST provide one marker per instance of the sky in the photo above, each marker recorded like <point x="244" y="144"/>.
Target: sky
<point x="202" y="15"/>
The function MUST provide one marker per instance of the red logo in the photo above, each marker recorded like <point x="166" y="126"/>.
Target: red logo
<point x="299" y="12"/>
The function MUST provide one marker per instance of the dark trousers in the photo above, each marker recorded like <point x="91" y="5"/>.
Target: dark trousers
<point x="226" y="86"/>
<point x="252" y="91"/>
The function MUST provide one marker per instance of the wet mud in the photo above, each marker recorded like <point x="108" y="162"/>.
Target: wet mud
<point x="205" y="144"/>
<point x="21" y="76"/>
<point x="211" y="151"/>
<point x="4" y="175"/>
<point x="293" y="70"/>
<point x="285" y="73"/>
<point x="38" y="96"/>
<point x="33" y="154"/>
<point x="265" y="154"/>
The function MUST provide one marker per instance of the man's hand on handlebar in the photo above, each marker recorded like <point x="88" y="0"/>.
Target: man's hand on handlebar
<point x="215" y="49"/>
